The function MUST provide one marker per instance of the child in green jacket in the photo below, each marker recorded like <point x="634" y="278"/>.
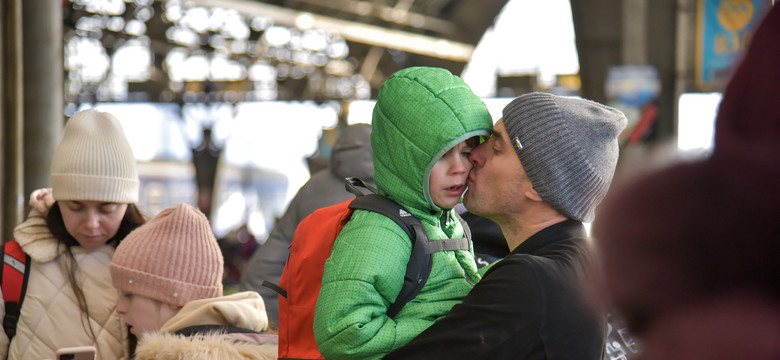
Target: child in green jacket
<point x="425" y="123"/>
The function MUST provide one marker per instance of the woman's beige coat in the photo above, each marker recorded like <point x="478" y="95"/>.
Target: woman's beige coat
<point x="50" y="316"/>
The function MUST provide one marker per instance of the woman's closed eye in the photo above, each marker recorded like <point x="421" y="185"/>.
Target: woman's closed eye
<point x="108" y="208"/>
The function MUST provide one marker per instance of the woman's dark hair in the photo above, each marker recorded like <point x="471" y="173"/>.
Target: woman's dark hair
<point x="133" y="218"/>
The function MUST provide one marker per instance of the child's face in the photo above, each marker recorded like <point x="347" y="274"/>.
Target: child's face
<point x="448" y="176"/>
<point x="143" y="314"/>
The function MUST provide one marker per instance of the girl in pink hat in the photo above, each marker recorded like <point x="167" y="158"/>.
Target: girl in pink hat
<point x="170" y="274"/>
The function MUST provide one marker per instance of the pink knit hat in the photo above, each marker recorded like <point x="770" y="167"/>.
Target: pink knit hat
<point x="174" y="258"/>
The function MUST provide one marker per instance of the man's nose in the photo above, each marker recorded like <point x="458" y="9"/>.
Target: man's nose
<point x="476" y="157"/>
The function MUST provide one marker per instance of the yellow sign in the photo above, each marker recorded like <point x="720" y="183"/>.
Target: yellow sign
<point x="724" y="28"/>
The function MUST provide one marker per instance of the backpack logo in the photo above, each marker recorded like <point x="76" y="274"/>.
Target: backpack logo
<point x="403" y="213"/>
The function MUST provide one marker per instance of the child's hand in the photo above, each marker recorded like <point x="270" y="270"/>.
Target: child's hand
<point x="42" y="200"/>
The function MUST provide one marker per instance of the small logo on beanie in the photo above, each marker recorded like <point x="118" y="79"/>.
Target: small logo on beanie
<point x="518" y="144"/>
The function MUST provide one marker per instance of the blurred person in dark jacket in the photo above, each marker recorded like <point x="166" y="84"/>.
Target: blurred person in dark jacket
<point x="351" y="156"/>
<point x="689" y="252"/>
<point x="690" y="259"/>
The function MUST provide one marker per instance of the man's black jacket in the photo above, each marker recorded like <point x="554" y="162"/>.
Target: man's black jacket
<point x="527" y="306"/>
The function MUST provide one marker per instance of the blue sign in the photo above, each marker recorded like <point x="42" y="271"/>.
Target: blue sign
<point x="724" y="28"/>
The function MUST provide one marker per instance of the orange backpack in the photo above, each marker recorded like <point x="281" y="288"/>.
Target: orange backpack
<point x="300" y="283"/>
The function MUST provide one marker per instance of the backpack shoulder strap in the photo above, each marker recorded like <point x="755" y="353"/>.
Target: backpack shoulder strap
<point x="13" y="275"/>
<point x="421" y="260"/>
<point x="354" y="185"/>
<point x="465" y="225"/>
<point x="463" y="243"/>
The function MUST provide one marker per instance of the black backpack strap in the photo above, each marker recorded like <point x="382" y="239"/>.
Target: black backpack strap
<point x="417" y="270"/>
<point x="421" y="260"/>
<point x="278" y="289"/>
<point x="354" y="185"/>
<point x="419" y="267"/>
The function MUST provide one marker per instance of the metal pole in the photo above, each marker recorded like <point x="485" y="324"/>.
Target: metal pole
<point x="43" y="88"/>
<point x="11" y="110"/>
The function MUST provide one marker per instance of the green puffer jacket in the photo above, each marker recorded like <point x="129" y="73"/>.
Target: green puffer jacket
<point x="420" y="114"/>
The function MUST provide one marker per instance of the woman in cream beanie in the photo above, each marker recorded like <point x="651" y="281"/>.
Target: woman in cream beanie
<point x="169" y="272"/>
<point x="70" y="237"/>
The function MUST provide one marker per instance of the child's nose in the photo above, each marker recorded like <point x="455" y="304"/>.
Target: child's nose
<point x="461" y="165"/>
<point x="121" y="306"/>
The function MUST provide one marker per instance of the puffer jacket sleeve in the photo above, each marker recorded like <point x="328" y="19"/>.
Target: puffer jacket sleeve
<point x="362" y="277"/>
<point x="4" y="341"/>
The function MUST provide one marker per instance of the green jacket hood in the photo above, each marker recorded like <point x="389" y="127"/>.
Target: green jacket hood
<point x="419" y="115"/>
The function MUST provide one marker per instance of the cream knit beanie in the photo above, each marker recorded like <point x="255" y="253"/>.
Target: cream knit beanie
<point x="174" y="258"/>
<point x="94" y="161"/>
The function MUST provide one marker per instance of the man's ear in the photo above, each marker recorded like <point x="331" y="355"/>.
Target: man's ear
<point x="533" y="195"/>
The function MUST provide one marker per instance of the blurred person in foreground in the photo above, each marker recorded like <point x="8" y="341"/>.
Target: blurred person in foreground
<point x="169" y="273"/>
<point x="547" y="165"/>
<point x="351" y="156"/>
<point x="690" y="251"/>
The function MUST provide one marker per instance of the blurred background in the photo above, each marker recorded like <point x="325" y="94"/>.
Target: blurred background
<point x="230" y="105"/>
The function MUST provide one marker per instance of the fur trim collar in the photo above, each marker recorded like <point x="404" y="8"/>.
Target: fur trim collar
<point x="164" y="346"/>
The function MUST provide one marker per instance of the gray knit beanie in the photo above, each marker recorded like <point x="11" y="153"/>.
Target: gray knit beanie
<point x="568" y="148"/>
